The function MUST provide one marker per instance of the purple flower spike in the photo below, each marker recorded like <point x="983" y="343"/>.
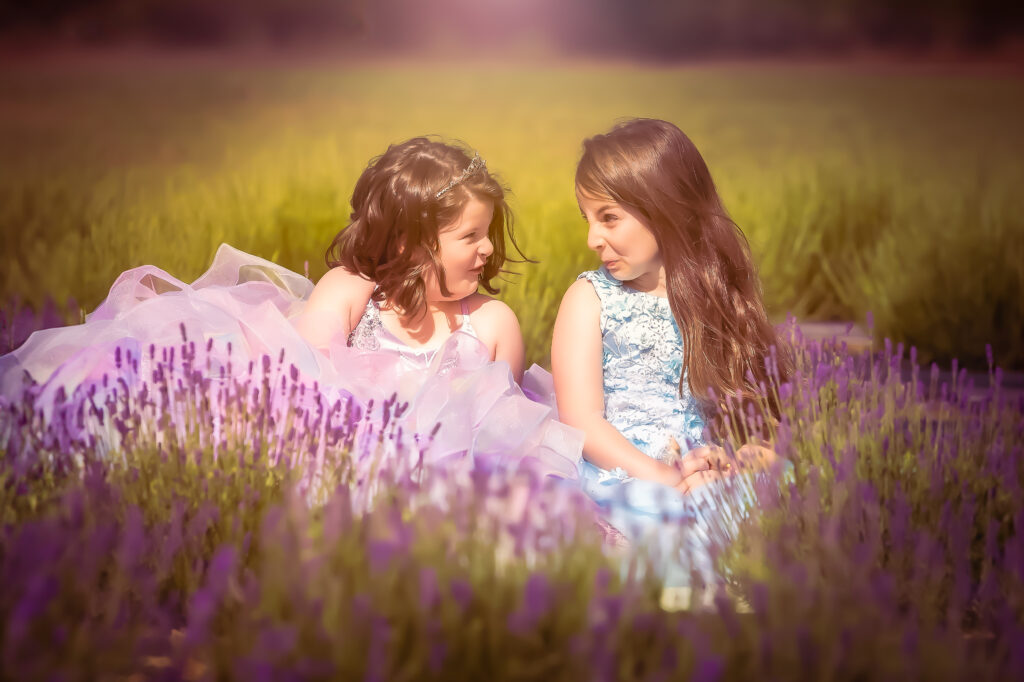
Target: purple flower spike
<point x="462" y="593"/>
<point x="206" y="600"/>
<point x="382" y="553"/>
<point x="537" y="599"/>
<point x="709" y="668"/>
<point x="429" y="592"/>
<point x="133" y="540"/>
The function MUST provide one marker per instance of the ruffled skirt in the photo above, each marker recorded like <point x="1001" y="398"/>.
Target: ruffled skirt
<point x="236" y="320"/>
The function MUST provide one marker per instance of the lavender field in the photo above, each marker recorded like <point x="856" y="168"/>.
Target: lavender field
<point x="180" y="519"/>
<point x="172" y="522"/>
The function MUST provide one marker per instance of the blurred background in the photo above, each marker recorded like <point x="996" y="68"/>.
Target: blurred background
<point x="665" y="29"/>
<point x="871" y="151"/>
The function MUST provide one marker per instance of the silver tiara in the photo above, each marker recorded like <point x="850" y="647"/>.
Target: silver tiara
<point x="474" y="165"/>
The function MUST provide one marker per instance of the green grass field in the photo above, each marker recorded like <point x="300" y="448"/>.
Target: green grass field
<point x="895" y="191"/>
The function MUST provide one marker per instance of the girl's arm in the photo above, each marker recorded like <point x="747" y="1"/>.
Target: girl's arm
<point x="576" y="349"/>
<point x="498" y="328"/>
<point x="334" y="308"/>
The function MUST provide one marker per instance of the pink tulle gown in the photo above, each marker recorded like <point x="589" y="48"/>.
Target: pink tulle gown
<point x="243" y="309"/>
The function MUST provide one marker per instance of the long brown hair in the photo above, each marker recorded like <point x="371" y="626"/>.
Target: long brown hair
<point x="392" y="235"/>
<point x="652" y="167"/>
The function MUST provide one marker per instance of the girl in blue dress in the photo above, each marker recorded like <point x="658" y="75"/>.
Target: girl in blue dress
<point x="647" y="348"/>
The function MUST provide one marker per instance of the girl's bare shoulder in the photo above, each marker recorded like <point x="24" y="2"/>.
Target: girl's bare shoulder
<point x="340" y="279"/>
<point x="335" y="306"/>
<point x="582" y="297"/>
<point x="490" y="311"/>
<point x="339" y="289"/>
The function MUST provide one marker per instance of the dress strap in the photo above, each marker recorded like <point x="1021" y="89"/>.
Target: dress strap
<point x="366" y="335"/>
<point x="614" y="300"/>
<point x="607" y="288"/>
<point x="466" y="325"/>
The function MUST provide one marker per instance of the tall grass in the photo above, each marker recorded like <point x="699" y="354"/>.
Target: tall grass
<point x="890" y="192"/>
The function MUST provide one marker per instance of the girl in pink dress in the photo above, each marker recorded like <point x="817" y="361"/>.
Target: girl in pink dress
<point x="398" y="319"/>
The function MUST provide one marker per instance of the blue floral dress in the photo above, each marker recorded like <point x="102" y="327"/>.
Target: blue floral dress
<point x="641" y="360"/>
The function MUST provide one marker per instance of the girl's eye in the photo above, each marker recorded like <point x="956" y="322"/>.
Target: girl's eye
<point x="609" y="217"/>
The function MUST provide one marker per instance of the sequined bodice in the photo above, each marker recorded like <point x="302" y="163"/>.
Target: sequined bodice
<point x="641" y="360"/>
<point x="371" y="334"/>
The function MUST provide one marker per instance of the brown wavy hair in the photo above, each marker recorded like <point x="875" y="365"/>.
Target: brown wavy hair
<point x="392" y="235"/>
<point x="652" y="167"/>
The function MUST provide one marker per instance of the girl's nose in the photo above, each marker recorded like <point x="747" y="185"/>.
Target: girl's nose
<point x="594" y="238"/>
<point x="486" y="248"/>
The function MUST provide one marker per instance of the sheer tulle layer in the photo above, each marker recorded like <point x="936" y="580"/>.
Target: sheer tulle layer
<point x="243" y="309"/>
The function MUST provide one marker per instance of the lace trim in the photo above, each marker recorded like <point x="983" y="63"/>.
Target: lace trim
<point x="616" y="475"/>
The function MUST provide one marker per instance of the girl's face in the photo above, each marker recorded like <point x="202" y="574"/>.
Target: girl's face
<point x="621" y="238"/>
<point x="464" y="249"/>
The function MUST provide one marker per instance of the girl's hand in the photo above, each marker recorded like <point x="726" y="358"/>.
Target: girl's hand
<point x="692" y="469"/>
<point x="700" y="466"/>
<point x="757" y="456"/>
<point x="698" y="459"/>
<point x="750" y="457"/>
<point x="697" y="479"/>
<point x="714" y="456"/>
